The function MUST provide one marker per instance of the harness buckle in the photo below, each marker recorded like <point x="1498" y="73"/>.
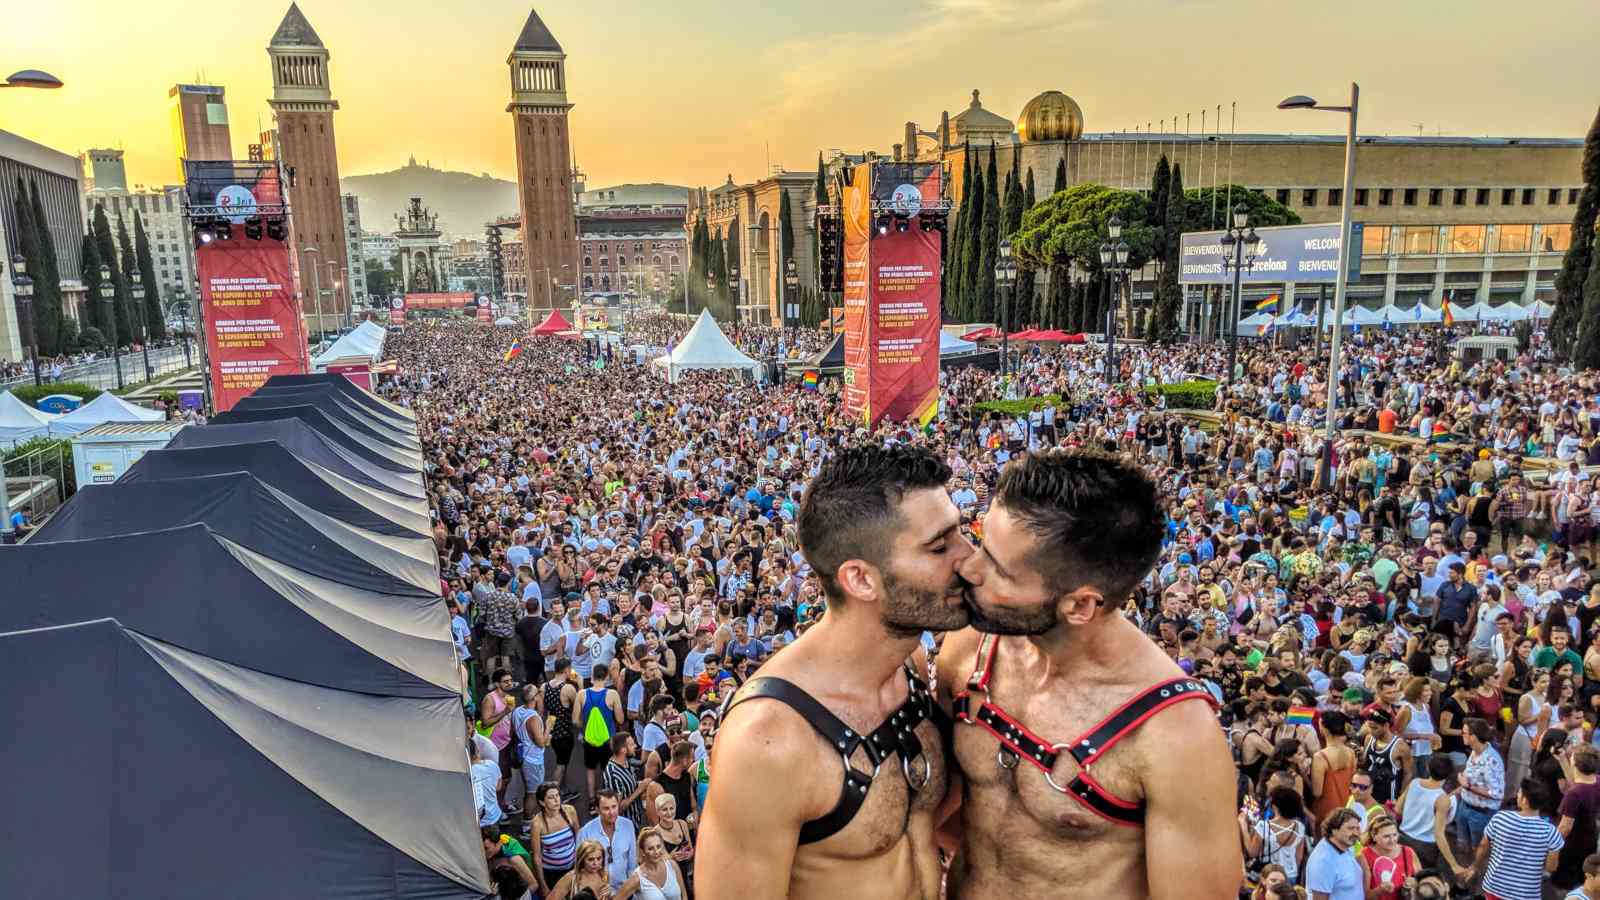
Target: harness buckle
<point x="1048" y="776"/>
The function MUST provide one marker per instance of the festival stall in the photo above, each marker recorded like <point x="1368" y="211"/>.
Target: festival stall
<point x="20" y="422"/>
<point x="704" y="347"/>
<point x="105" y="408"/>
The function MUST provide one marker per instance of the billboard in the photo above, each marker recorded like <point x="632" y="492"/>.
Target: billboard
<point x="857" y="212"/>
<point x="1304" y="254"/>
<point x="453" y="302"/>
<point x="253" y="325"/>
<point x="891" y="293"/>
<point x="397" y="310"/>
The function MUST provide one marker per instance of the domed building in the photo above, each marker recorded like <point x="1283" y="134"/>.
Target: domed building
<point x="1051" y="116"/>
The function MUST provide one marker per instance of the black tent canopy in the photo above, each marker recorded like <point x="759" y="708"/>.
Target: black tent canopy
<point x="327" y="397"/>
<point x="205" y="593"/>
<point x="324" y="490"/>
<point x="308" y="444"/>
<point x="370" y="450"/>
<point x="257" y="516"/>
<point x="366" y="398"/>
<point x="212" y="780"/>
<point x="358" y="423"/>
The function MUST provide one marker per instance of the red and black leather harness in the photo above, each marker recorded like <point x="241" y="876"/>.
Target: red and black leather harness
<point x="1023" y="744"/>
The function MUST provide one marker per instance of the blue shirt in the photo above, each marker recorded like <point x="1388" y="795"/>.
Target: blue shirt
<point x="624" y="853"/>
<point x="1336" y="874"/>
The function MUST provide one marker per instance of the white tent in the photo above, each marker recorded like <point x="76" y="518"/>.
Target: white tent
<point x="1542" y="310"/>
<point x="1360" y="315"/>
<point x="1505" y="312"/>
<point x="1255" y="320"/>
<point x="1297" y="318"/>
<point x="506" y="320"/>
<point x="104" y="408"/>
<point x="705" y="347"/>
<point x="1468" y="313"/>
<point x="365" y="340"/>
<point x="20" y="422"/>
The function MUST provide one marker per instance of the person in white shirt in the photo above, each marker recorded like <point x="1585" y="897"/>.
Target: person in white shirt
<point x="485" y="773"/>
<point x="616" y="834"/>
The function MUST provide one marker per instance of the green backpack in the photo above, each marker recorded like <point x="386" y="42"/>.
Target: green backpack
<point x="596" y="724"/>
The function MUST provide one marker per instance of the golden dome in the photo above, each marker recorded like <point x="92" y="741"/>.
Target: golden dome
<point x="1051" y="116"/>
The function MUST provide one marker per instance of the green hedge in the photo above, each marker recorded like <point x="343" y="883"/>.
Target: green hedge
<point x="1016" y="407"/>
<point x="31" y="394"/>
<point x="1187" y="394"/>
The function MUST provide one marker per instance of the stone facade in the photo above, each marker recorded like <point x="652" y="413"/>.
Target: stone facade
<point x="303" y="107"/>
<point x="753" y="209"/>
<point x="545" y="172"/>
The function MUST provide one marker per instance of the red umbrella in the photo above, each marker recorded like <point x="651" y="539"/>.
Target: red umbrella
<point x="1026" y="334"/>
<point x="981" y="334"/>
<point x="1056" y="337"/>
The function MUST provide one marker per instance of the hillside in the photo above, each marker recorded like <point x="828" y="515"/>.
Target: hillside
<point x="464" y="202"/>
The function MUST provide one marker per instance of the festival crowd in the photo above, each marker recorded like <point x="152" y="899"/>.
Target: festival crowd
<point x="1404" y="647"/>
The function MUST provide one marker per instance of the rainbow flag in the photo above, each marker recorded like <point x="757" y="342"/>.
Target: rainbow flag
<point x="514" y="352"/>
<point x="809" y="380"/>
<point x="1267" y="303"/>
<point x="1300" y="715"/>
<point x="1449" y="317"/>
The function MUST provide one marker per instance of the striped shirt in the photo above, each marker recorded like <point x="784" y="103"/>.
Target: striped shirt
<point x="1518" y="845"/>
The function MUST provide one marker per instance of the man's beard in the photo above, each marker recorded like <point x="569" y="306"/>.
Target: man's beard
<point x="909" y="610"/>
<point x="1025" y="621"/>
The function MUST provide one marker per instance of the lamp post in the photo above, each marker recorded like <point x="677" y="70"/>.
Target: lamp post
<point x="137" y="289"/>
<point x="31" y="78"/>
<point x="316" y="295"/>
<point x="1114" y="263"/>
<point x="1005" y="277"/>
<point x="108" y="293"/>
<point x="1341" y="277"/>
<point x="23" y="285"/>
<point x="733" y="288"/>
<point x="791" y="284"/>
<point x="333" y="279"/>
<point x="183" y="310"/>
<point x="1240" y="244"/>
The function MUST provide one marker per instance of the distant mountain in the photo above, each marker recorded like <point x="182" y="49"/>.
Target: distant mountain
<point x="464" y="202"/>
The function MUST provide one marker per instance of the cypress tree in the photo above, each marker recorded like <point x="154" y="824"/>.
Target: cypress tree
<point x="129" y="322"/>
<point x="972" y="251"/>
<point x="154" y="318"/>
<point x="48" y="313"/>
<point x="821" y="200"/>
<point x="1587" y="353"/>
<point x="1026" y="275"/>
<point x="1571" y="281"/>
<point x="93" y="312"/>
<point x="1163" y="325"/>
<point x="1061" y="175"/>
<point x="730" y="255"/>
<point x="112" y="323"/>
<point x="27" y="240"/>
<point x="1055" y="298"/>
<point x="1160" y="182"/>
<point x="717" y="269"/>
<point x="786" y="247"/>
<point x="956" y="267"/>
<point x="991" y="239"/>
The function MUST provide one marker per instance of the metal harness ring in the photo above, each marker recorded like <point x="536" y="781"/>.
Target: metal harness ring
<point x="1057" y="748"/>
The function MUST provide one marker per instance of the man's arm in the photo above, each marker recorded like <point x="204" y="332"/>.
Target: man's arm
<point x="1191" y="839"/>
<point x="751" y="845"/>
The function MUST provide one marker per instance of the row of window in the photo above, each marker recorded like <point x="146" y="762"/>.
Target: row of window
<point x="1385" y="240"/>
<point x="1434" y="196"/>
<point x="638" y="246"/>
<point x="622" y="261"/>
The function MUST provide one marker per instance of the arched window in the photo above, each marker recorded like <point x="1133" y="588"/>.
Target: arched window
<point x="655" y="260"/>
<point x="638" y="261"/>
<point x="587" y="261"/>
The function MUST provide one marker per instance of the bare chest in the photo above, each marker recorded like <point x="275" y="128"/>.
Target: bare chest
<point x="896" y="788"/>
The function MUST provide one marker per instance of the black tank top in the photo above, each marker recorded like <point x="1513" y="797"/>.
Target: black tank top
<point x="1379" y="762"/>
<point x="562" y="711"/>
<point x="679" y="788"/>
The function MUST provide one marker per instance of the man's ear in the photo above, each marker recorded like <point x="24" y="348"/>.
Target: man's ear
<point x="1080" y="606"/>
<point x="859" y="579"/>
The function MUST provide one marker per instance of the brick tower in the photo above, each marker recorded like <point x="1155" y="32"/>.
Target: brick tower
<point x="544" y="164"/>
<point x="303" y="106"/>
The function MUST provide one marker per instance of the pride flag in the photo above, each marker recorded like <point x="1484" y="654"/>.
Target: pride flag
<point x="1266" y="326"/>
<point x="1449" y="317"/>
<point x="1267" y="303"/>
<point x="809" y="380"/>
<point x="1300" y="715"/>
<point x="514" y="352"/>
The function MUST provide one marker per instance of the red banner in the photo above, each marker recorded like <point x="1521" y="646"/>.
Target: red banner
<point x="453" y="301"/>
<point x="254" y="329"/>
<point x="857" y="213"/>
<point x="891" y="293"/>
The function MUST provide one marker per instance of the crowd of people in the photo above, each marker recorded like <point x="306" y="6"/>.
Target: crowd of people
<point x="1399" y="629"/>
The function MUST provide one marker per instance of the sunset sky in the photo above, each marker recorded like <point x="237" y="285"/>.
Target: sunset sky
<point x="691" y="91"/>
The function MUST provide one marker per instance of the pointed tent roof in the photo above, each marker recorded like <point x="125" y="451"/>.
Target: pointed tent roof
<point x="554" y="323"/>
<point x="107" y="407"/>
<point x="705" y="347"/>
<point x="535" y="36"/>
<point x="295" y="31"/>
<point x="19" y="421"/>
<point x="312" y="446"/>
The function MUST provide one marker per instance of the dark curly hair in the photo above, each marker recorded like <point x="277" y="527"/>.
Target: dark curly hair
<point x="851" y="509"/>
<point x="1097" y="519"/>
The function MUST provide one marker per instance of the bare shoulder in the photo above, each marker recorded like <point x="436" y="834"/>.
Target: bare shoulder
<point x="955" y="661"/>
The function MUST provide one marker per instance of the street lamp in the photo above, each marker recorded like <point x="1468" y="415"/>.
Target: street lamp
<point x="32" y="78"/>
<point x="316" y="294"/>
<point x="23" y="286"/>
<point x="1005" y="276"/>
<point x="733" y="288"/>
<point x="182" y="297"/>
<point x="791" y="284"/>
<point x="1114" y="263"/>
<point x="108" y="293"/>
<point x="1240" y="245"/>
<point x="1341" y="278"/>
<point x="137" y="289"/>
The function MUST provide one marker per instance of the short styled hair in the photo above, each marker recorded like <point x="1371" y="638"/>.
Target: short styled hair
<point x="1097" y="519"/>
<point x="851" y="509"/>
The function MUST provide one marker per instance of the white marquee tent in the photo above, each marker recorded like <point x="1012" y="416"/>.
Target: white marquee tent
<point x="704" y="347"/>
<point x="105" y="408"/>
<point x="365" y="340"/>
<point x="20" y="422"/>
